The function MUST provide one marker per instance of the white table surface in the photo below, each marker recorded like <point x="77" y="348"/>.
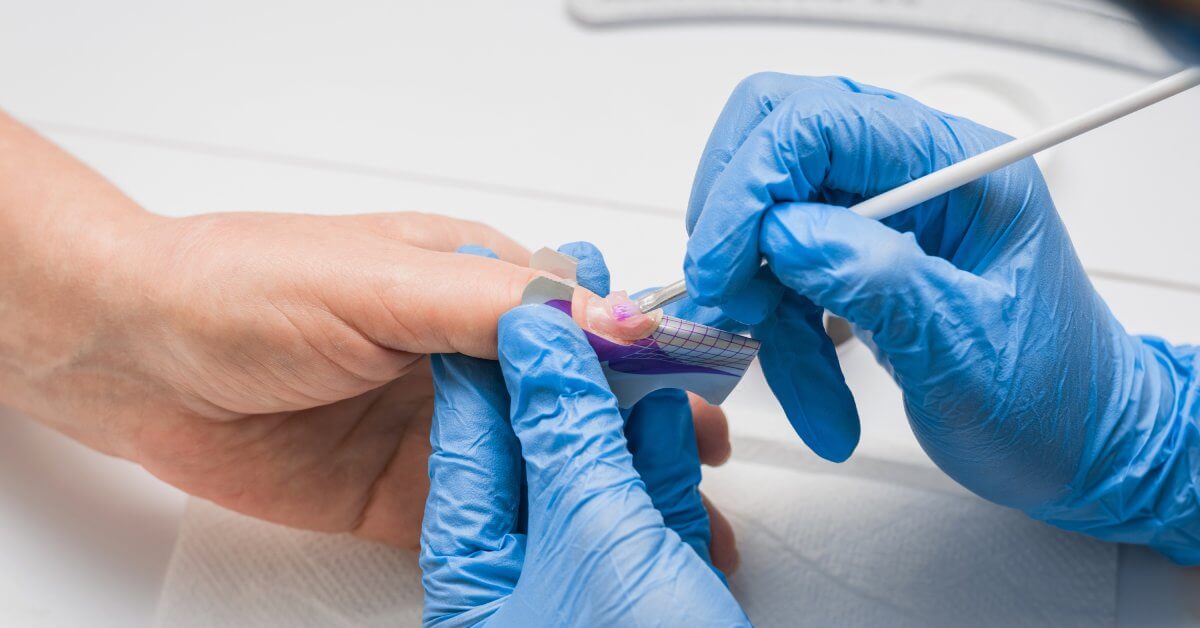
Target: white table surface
<point x="512" y="114"/>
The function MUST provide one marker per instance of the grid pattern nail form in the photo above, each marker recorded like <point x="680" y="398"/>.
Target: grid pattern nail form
<point x="702" y="345"/>
<point x="677" y="354"/>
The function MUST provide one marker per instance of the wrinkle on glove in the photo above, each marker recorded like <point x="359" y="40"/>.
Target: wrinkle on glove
<point x="1018" y="381"/>
<point x="659" y="432"/>
<point x="616" y="532"/>
<point x="597" y="551"/>
<point x="605" y="552"/>
<point x="469" y="469"/>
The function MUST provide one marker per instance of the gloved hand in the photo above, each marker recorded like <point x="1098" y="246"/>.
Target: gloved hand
<point x="609" y="538"/>
<point x="671" y="416"/>
<point x="1017" y="379"/>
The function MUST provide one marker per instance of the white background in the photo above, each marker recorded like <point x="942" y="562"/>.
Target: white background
<point x="513" y="114"/>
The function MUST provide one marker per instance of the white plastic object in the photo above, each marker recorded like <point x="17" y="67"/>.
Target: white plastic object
<point x="941" y="181"/>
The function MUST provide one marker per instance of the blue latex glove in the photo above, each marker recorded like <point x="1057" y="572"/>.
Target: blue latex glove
<point x="659" y="431"/>
<point x="615" y="532"/>
<point x="1017" y="379"/>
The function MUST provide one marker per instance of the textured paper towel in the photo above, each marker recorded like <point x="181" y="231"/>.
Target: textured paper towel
<point x="865" y="543"/>
<point x="875" y="543"/>
<point x="231" y="570"/>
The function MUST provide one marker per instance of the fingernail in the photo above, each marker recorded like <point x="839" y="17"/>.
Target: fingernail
<point x="617" y="318"/>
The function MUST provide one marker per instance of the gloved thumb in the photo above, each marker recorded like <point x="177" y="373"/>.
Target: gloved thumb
<point x="571" y="432"/>
<point x="598" y="549"/>
<point x="873" y="276"/>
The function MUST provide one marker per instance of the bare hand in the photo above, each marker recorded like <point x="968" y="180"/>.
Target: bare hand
<point x="272" y="363"/>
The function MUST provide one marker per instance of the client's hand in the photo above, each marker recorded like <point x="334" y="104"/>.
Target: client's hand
<point x="272" y="363"/>
<point x="597" y="546"/>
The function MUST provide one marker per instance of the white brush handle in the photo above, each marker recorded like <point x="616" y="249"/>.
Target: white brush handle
<point x="941" y="181"/>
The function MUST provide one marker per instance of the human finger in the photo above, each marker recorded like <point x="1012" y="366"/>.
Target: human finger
<point x="723" y="546"/>
<point x="436" y="232"/>
<point x="712" y="431"/>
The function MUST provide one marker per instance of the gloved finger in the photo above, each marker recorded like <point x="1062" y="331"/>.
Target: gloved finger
<point x="753" y="301"/>
<point x="723" y="546"/>
<point x="662" y="441"/>
<point x="592" y="526"/>
<point x="848" y="141"/>
<point x="712" y="431"/>
<point x="748" y="306"/>
<point x="878" y="279"/>
<point x="752" y="100"/>
<point x="659" y="432"/>
<point x="592" y="272"/>
<point x="710" y="221"/>
<point x="470" y="556"/>
<point x="578" y="467"/>
<point x="523" y="511"/>
<point x="801" y="366"/>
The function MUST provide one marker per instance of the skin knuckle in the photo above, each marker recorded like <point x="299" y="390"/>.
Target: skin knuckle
<point x="398" y="223"/>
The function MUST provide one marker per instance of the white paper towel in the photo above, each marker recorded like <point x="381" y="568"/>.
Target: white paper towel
<point x="231" y="570"/>
<point x="864" y="543"/>
<point x="876" y="543"/>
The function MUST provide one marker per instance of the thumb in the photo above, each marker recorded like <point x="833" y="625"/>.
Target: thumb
<point x="597" y="546"/>
<point x="571" y="432"/>
<point x="873" y="276"/>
